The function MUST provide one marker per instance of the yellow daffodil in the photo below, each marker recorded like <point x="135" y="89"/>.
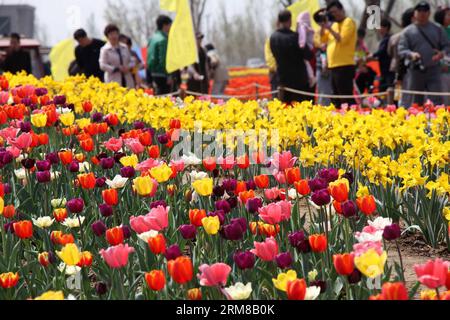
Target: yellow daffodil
<point x="39" y="120"/>
<point x="283" y="278"/>
<point x="371" y="264"/>
<point x="203" y="187"/>
<point x="161" y="173"/>
<point x="130" y="161"/>
<point x="446" y="213"/>
<point x="51" y="295"/>
<point x="211" y="225"/>
<point x="70" y="254"/>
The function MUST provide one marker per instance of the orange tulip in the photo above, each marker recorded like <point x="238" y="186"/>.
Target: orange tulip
<point x="86" y="259"/>
<point x="246" y="195"/>
<point x="394" y="291"/>
<point x="115" y="236"/>
<point x="43" y="139"/>
<point x="156" y="280"/>
<point x="195" y="294"/>
<point x="296" y="290"/>
<point x="87" y="106"/>
<point x="337" y="206"/>
<point x="60" y="214"/>
<point x="153" y="152"/>
<point x="87" y="181"/>
<point x="196" y="216"/>
<point x="9" y="280"/>
<point x="66" y="157"/>
<point x="302" y="187"/>
<point x="157" y="244"/>
<point x="111" y="197"/>
<point x="241" y="187"/>
<point x="344" y="264"/>
<point x="87" y="145"/>
<point x="262" y="181"/>
<point x="181" y="269"/>
<point x="9" y="211"/>
<point x="209" y="164"/>
<point x="339" y="191"/>
<point x="58" y="237"/>
<point x="293" y="175"/>
<point x="23" y="229"/>
<point x="318" y="243"/>
<point x="367" y="205"/>
<point x="113" y="119"/>
<point x="145" y="138"/>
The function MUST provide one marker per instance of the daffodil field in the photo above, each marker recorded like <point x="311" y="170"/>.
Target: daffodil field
<point x="95" y="207"/>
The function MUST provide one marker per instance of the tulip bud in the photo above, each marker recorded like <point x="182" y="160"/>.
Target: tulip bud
<point x="244" y="260"/>
<point x="223" y="205"/>
<point x="321" y="197"/>
<point x="284" y="260"/>
<point x="188" y="232"/>
<point x="105" y="210"/>
<point x="101" y="288"/>
<point x="99" y="228"/>
<point x="349" y="209"/>
<point x="173" y="252"/>
<point x="392" y="232"/>
<point x="127" y="172"/>
<point x="75" y="205"/>
<point x="74" y="167"/>
<point x="194" y="294"/>
<point x="355" y="277"/>
<point x="43" y="176"/>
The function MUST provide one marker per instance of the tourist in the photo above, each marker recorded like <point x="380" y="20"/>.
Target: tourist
<point x="115" y="59"/>
<point x="218" y="71"/>
<point x="340" y="37"/>
<point x="136" y="60"/>
<point x="16" y="58"/>
<point x="198" y="73"/>
<point x="442" y="17"/>
<point x="387" y="76"/>
<point x="156" y="57"/>
<point x="290" y="59"/>
<point x="87" y="55"/>
<point x="424" y="45"/>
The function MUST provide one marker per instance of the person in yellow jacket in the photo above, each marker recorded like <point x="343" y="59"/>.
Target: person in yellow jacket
<point x="340" y="37"/>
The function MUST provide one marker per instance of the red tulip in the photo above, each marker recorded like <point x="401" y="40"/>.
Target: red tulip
<point x="115" y="236"/>
<point x="111" y="197"/>
<point x="367" y="205"/>
<point x="157" y="244"/>
<point x="318" y="243"/>
<point x="394" y="291"/>
<point x="344" y="264"/>
<point x="156" y="280"/>
<point x="181" y="269"/>
<point x="296" y="290"/>
<point x="23" y="229"/>
<point x="262" y="181"/>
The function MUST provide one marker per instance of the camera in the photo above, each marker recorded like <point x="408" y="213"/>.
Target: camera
<point x="323" y="16"/>
<point x="417" y="65"/>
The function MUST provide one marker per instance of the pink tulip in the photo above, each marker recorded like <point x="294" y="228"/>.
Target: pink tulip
<point x="267" y="250"/>
<point x="272" y="194"/>
<point x="286" y="209"/>
<point x="432" y="274"/>
<point x="178" y="165"/>
<point x="147" y="165"/>
<point x="158" y="218"/>
<point x="21" y="142"/>
<point x="117" y="257"/>
<point x="9" y="133"/>
<point x="361" y="248"/>
<point x="140" y="224"/>
<point x="114" y="144"/>
<point x="271" y="214"/>
<point x="135" y="146"/>
<point x="4" y="97"/>
<point x="283" y="161"/>
<point x="227" y="163"/>
<point x="214" y="275"/>
<point x="280" y="177"/>
<point x="14" y="151"/>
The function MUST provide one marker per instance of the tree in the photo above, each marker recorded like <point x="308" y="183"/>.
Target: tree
<point x="91" y="26"/>
<point x="197" y="10"/>
<point x="136" y="20"/>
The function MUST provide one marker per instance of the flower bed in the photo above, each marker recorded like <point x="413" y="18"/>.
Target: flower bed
<point x="94" y="205"/>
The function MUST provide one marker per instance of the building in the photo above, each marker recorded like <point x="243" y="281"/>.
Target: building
<point x="17" y="18"/>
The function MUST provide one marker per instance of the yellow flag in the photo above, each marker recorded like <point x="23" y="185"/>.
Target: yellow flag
<point x="312" y="6"/>
<point x="182" y="48"/>
<point x="61" y="56"/>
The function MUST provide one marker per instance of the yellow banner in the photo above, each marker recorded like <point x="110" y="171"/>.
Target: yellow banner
<point x="182" y="48"/>
<point x="61" y="56"/>
<point x="312" y="6"/>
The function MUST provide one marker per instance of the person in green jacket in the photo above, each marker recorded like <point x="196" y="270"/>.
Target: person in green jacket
<point x="156" y="57"/>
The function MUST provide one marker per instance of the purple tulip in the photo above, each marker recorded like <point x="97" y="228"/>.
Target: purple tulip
<point x="9" y="227"/>
<point x="349" y="209"/>
<point x="233" y="201"/>
<point x="284" y="260"/>
<point x="101" y="288"/>
<point x="173" y="252"/>
<point x="355" y="277"/>
<point x="105" y="210"/>
<point x="349" y="176"/>
<point x="118" y="156"/>
<point x="126" y="231"/>
<point x="317" y="184"/>
<point x="97" y="117"/>
<point x="7" y="188"/>
<point x="223" y="205"/>
<point x="43" y="176"/>
<point x="139" y="125"/>
<point x="74" y="167"/>
<point x="329" y="175"/>
<point x="27" y="102"/>
<point x="59" y="100"/>
<point x="321" y="197"/>
<point x="107" y="163"/>
<point x="253" y="205"/>
<point x="28" y="163"/>
<point x="321" y="284"/>
<point x="100" y="182"/>
<point x="296" y="238"/>
<point x="188" y="232"/>
<point x="99" y="228"/>
<point x="229" y="185"/>
<point x="163" y="139"/>
<point x="127" y="172"/>
<point x="159" y="203"/>
<point x="219" y="191"/>
<point x="25" y="127"/>
<point x="75" y="205"/>
<point x="43" y="165"/>
<point x="235" y="230"/>
<point x="40" y="92"/>
<point x="52" y="157"/>
<point x="251" y="185"/>
<point x="392" y="232"/>
<point x="244" y="260"/>
<point x="6" y="157"/>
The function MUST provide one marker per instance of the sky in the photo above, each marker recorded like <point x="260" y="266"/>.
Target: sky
<point x="59" y="18"/>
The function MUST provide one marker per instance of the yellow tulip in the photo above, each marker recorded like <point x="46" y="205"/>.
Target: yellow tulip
<point x="2" y="205"/>
<point x="67" y="119"/>
<point x="446" y="213"/>
<point x="39" y="120"/>
<point x="83" y="123"/>
<point x="203" y="187"/>
<point x="130" y="161"/>
<point x="70" y="254"/>
<point x="211" y="225"/>
<point x="161" y="173"/>
<point x="51" y="295"/>
<point x="144" y="186"/>
<point x="283" y="278"/>
<point x="371" y="264"/>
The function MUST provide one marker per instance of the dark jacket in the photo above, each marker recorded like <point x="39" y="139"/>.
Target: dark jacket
<point x="383" y="56"/>
<point x="17" y="61"/>
<point x="87" y="59"/>
<point x="290" y="59"/>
